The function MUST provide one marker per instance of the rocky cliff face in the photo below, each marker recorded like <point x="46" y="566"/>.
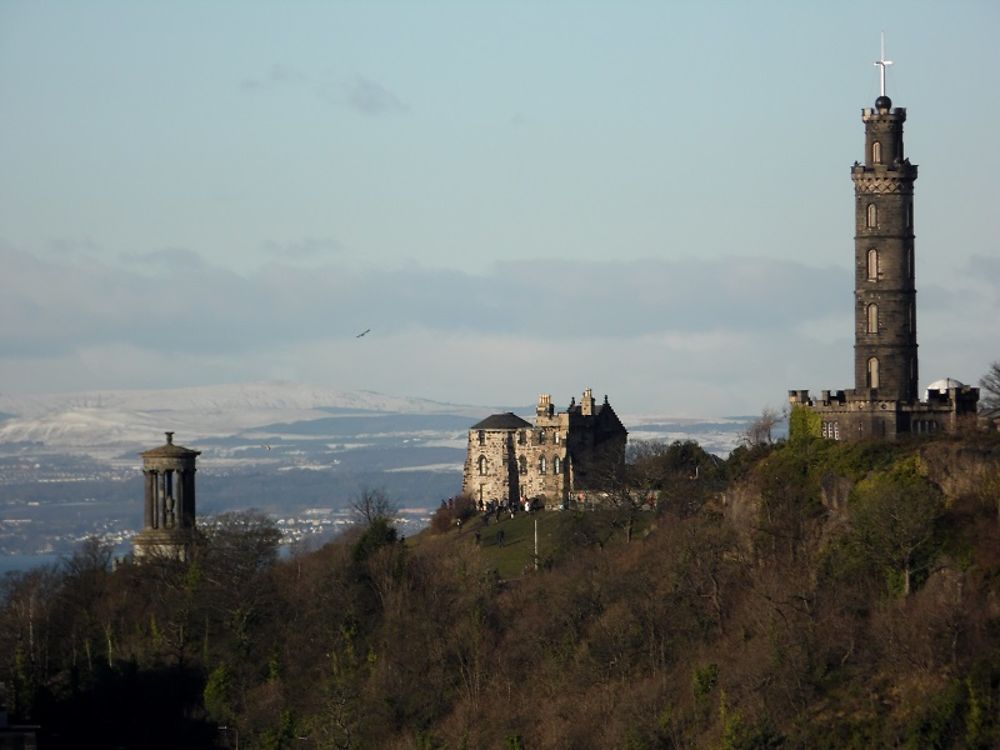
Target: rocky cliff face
<point x="963" y="467"/>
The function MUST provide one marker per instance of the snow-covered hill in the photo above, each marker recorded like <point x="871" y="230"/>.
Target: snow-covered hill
<point x="104" y="422"/>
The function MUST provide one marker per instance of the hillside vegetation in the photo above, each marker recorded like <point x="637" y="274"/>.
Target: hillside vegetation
<point x="804" y="595"/>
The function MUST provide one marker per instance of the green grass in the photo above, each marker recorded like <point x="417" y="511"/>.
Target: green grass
<point x="516" y="556"/>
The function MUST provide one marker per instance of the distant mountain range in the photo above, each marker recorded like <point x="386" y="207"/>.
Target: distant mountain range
<point x="99" y="422"/>
<point x="103" y="424"/>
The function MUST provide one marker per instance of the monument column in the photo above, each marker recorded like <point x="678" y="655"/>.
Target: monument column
<point x="885" y="319"/>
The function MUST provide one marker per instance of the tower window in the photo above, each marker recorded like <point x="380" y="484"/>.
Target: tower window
<point x="541" y="437"/>
<point x="873" y="265"/>
<point x="520" y="437"/>
<point x="522" y="465"/>
<point x="909" y="214"/>
<point x="557" y="465"/>
<point x="876" y="153"/>
<point x="542" y="465"/>
<point x="871" y="219"/>
<point x="483" y="466"/>
<point x="482" y="437"/>
<point x="872" y="318"/>
<point x="873" y="372"/>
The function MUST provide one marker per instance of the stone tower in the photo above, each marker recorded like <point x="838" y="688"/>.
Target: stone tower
<point x="885" y="329"/>
<point x="169" y="519"/>
<point x="885" y="401"/>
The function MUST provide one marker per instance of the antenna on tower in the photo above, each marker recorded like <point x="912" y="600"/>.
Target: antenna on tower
<point x="882" y="64"/>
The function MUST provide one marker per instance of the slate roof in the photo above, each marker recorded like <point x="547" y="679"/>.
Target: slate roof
<point x="506" y="421"/>
<point x="169" y="450"/>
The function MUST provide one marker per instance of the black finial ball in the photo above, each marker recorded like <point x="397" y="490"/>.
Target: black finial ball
<point x="883" y="102"/>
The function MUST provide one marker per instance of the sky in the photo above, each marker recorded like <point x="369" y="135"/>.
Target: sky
<point x="652" y="199"/>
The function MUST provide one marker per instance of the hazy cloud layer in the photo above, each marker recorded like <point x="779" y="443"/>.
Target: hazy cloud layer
<point x="739" y="331"/>
<point x="277" y="76"/>
<point x="371" y="98"/>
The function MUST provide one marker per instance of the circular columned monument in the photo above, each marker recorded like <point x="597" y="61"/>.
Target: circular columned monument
<point x="169" y="519"/>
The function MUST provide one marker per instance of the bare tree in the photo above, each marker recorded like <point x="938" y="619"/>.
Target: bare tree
<point x="760" y="431"/>
<point x="989" y="397"/>
<point x="371" y="505"/>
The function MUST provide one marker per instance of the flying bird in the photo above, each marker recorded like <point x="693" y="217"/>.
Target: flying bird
<point x="367" y="330"/>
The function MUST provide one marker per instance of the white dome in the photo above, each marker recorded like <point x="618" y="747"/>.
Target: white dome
<point x="944" y="384"/>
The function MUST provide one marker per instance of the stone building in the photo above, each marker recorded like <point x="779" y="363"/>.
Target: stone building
<point x="885" y="401"/>
<point x="169" y="517"/>
<point x="557" y="460"/>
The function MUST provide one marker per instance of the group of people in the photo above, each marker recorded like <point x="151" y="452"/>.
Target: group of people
<point x="497" y="508"/>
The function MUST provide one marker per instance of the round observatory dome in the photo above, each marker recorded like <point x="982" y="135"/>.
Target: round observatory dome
<point x="943" y="385"/>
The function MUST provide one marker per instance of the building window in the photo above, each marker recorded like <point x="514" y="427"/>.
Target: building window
<point x="909" y="263"/>
<point x="557" y="465"/>
<point x="522" y="465"/>
<point x="873" y="372"/>
<point x="482" y="437"/>
<point x="876" y="153"/>
<point x="483" y="466"/>
<point x="871" y="219"/>
<point x="831" y="431"/>
<point x="872" y="326"/>
<point x="873" y="265"/>
<point x="909" y="215"/>
<point x="557" y="437"/>
<point x="520" y="437"/>
<point x="542" y="465"/>
<point x="541" y="437"/>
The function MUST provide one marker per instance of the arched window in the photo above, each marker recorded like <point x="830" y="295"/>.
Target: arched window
<point x="483" y="466"/>
<point x="873" y="372"/>
<point x="522" y="465"/>
<point x="873" y="265"/>
<point x="876" y="153"/>
<point x="557" y="465"/>
<point x="542" y="465"/>
<point x="871" y="219"/>
<point x="872" y="318"/>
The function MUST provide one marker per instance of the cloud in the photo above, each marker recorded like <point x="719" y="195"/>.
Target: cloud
<point x="657" y="333"/>
<point x="277" y="76"/>
<point x="178" y="259"/>
<point x="373" y="99"/>
<point x="308" y="248"/>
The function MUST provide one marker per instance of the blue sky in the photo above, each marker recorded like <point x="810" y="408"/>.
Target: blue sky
<point x="652" y="199"/>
